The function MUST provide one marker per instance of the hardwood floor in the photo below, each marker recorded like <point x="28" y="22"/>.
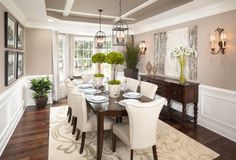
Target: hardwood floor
<point x="30" y="138"/>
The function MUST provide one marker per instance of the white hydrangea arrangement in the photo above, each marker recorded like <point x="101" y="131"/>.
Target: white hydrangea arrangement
<point x="184" y="51"/>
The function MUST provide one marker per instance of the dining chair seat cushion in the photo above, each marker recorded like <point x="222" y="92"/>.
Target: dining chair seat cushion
<point x="92" y="123"/>
<point x="121" y="130"/>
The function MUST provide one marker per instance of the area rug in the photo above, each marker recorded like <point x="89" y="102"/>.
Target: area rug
<point x="171" y="143"/>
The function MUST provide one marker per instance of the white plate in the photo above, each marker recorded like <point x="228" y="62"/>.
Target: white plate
<point x="132" y="95"/>
<point x="86" y="85"/>
<point x="90" y="91"/>
<point x="97" y="99"/>
<point x="125" y="101"/>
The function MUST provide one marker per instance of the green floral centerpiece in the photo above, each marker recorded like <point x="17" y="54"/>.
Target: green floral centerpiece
<point x="182" y="53"/>
<point x="114" y="59"/>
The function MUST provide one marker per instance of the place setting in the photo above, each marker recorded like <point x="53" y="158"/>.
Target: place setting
<point x="97" y="98"/>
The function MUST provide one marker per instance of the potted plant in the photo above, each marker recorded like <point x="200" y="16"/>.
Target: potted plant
<point x="131" y="59"/>
<point x="41" y="87"/>
<point x="98" y="58"/>
<point x="114" y="59"/>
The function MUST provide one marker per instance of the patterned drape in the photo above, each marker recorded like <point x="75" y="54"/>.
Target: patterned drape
<point x="160" y="52"/>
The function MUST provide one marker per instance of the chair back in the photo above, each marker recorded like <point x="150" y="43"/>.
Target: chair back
<point x="80" y="107"/>
<point x="132" y="84"/>
<point x="69" y="87"/>
<point x="143" y="118"/>
<point x="148" y="89"/>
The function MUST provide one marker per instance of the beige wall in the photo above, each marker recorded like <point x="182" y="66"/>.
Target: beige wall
<point x="219" y="70"/>
<point x="38" y="51"/>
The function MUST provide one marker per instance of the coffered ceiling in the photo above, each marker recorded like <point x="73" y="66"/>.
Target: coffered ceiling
<point x="132" y="11"/>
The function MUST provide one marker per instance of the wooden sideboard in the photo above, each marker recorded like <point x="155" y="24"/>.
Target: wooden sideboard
<point x="171" y="89"/>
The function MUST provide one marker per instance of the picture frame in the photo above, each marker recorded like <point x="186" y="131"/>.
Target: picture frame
<point x="20" y="36"/>
<point x="10" y="31"/>
<point x="10" y="67"/>
<point x="20" y="65"/>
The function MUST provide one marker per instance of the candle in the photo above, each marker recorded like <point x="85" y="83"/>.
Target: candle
<point x="212" y="39"/>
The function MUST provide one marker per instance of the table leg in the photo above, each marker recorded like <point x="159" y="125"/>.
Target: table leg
<point x="195" y="113"/>
<point x="184" y="113"/>
<point x="168" y="108"/>
<point x="100" y="129"/>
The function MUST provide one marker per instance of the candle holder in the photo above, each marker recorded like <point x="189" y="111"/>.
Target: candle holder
<point x="219" y="38"/>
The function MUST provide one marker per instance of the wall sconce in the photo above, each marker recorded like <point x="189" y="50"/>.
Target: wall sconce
<point x="219" y="38"/>
<point x="142" y="47"/>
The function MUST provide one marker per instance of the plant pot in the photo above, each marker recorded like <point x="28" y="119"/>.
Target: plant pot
<point x="98" y="81"/>
<point x="132" y="73"/>
<point x="114" y="90"/>
<point x="41" y="102"/>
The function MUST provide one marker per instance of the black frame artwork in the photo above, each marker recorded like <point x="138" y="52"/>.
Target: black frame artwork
<point x="10" y="67"/>
<point x="10" y="31"/>
<point x="20" y="36"/>
<point x="20" y="65"/>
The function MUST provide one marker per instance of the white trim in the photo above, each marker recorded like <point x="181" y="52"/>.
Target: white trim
<point x="68" y="7"/>
<point x="14" y="10"/>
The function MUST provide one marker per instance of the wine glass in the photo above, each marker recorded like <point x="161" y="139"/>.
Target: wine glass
<point x="116" y="93"/>
<point x="102" y="88"/>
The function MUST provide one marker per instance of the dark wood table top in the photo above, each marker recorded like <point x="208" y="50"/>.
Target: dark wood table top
<point x="112" y="104"/>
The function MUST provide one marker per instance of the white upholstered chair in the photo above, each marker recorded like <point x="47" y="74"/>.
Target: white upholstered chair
<point x="86" y="122"/>
<point x="140" y="132"/>
<point x="132" y="84"/>
<point x="70" y="86"/>
<point x="148" y="89"/>
<point x="66" y="81"/>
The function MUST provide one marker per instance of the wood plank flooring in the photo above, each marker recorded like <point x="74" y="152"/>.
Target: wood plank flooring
<point x="30" y="138"/>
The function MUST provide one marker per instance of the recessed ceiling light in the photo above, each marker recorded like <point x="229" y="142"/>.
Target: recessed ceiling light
<point x="50" y="20"/>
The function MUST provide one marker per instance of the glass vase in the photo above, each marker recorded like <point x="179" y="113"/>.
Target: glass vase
<point x="182" y="78"/>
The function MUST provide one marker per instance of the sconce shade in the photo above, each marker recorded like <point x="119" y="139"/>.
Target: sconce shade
<point x="120" y="32"/>
<point x="142" y="47"/>
<point x="220" y="39"/>
<point x="100" y="36"/>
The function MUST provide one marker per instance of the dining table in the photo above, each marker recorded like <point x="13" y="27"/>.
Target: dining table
<point x="111" y="108"/>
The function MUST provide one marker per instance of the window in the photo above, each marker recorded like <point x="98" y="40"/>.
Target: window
<point x="61" y="58"/>
<point x="83" y="51"/>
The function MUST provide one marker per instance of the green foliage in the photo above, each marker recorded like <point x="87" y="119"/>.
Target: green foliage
<point x="99" y="75"/>
<point x="132" y="55"/>
<point x="41" y="87"/>
<point x="98" y="58"/>
<point x="115" y="58"/>
<point x="114" y="82"/>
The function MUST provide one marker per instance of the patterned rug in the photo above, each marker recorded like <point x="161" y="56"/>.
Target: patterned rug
<point x="171" y="143"/>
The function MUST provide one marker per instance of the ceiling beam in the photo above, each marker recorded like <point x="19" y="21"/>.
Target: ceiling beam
<point x="68" y="7"/>
<point x="88" y="14"/>
<point x="145" y="4"/>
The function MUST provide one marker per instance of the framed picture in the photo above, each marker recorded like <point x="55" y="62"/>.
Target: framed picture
<point x="10" y="67"/>
<point x="20" y="64"/>
<point x="20" y="36"/>
<point x="10" y="31"/>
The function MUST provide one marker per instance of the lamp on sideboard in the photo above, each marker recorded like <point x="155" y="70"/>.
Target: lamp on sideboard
<point x="142" y="47"/>
<point x="218" y="38"/>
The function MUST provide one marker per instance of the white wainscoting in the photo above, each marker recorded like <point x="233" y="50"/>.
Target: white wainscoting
<point x="11" y="110"/>
<point x="216" y="110"/>
<point x="13" y="102"/>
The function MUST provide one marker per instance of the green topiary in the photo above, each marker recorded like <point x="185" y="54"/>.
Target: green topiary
<point x="99" y="58"/>
<point x="41" y="87"/>
<point x="114" y="82"/>
<point x="114" y="58"/>
<point x="99" y="75"/>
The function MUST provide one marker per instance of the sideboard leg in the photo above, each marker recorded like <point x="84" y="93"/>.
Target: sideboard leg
<point x="183" y="113"/>
<point x="168" y="108"/>
<point x="195" y="113"/>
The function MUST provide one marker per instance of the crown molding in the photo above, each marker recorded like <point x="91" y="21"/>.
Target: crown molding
<point x="184" y="13"/>
<point x="14" y="10"/>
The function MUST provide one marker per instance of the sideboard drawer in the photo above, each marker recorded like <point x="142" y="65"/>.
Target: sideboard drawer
<point x="176" y="92"/>
<point x="161" y="90"/>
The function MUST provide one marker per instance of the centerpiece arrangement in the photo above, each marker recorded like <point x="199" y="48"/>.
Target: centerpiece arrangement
<point x="114" y="59"/>
<point x="41" y="87"/>
<point x="131" y="59"/>
<point x="182" y="53"/>
<point x="98" y="58"/>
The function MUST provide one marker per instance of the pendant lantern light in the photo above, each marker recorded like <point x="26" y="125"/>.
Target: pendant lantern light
<point x="100" y="36"/>
<point x="120" y="32"/>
